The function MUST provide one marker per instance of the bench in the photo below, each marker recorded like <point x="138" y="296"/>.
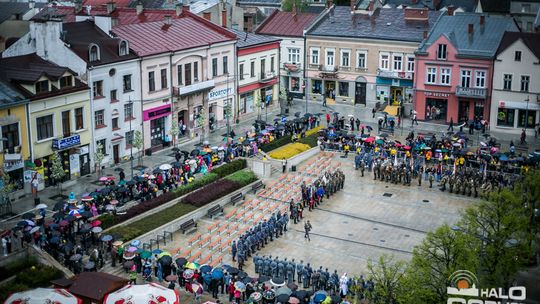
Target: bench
<point x="186" y="253"/>
<point x="206" y="259"/>
<point x="216" y="261"/>
<point x="213" y="226"/>
<point x="196" y="256"/>
<point x="214" y="243"/>
<point x="188" y="227"/>
<point x="194" y="239"/>
<point x="224" y="245"/>
<point x="258" y="185"/>
<point x="222" y="229"/>
<point x="230" y="214"/>
<point x="236" y="198"/>
<point x="239" y="215"/>
<point x="215" y="211"/>
<point x="204" y="241"/>
<point x="249" y="217"/>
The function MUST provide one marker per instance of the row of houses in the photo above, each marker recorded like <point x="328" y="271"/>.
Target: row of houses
<point x="87" y="87"/>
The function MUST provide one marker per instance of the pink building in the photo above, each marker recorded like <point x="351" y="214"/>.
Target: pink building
<point x="454" y="67"/>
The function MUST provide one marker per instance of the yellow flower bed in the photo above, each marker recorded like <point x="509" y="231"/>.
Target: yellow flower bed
<point x="314" y="130"/>
<point x="289" y="151"/>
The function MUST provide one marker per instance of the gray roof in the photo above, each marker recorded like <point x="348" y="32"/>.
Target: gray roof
<point x="537" y="19"/>
<point x="8" y="9"/>
<point x="484" y="40"/>
<point x="197" y="7"/>
<point x="273" y="3"/>
<point x="9" y="96"/>
<point x="409" y="3"/>
<point x="385" y="24"/>
<point x="246" y="39"/>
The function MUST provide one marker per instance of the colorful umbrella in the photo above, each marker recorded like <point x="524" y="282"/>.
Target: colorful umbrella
<point x="103" y="179"/>
<point x="188" y="274"/>
<point x="135" y="243"/>
<point x="97" y="229"/>
<point x="113" y="202"/>
<point x="164" y="253"/>
<point x="171" y="278"/>
<point x="96" y="223"/>
<point x="75" y="213"/>
<point x="43" y="295"/>
<point x="240" y="286"/>
<point x="87" y="198"/>
<point x="192" y="265"/>
<point x="145" y="254"/>
<point x="106" y="238"/>
<point x="197" y="288"/>
<point x="132" y="249"/>
<point x="149" y="293"/>
<point x="41" y="206"/>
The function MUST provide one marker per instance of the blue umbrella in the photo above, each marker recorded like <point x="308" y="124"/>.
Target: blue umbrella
<point x="157" y="251"/>
<point x="135" y="243"/>
<point x="503" y="158"/>
<point x="106" y="238"/>
<point x="217" y="274"/>
<point x="54" y="240"/>
<point x="205" y="268"/>
<point x="319" y="297"/>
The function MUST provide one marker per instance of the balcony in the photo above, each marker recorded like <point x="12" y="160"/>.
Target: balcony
<point x="395" y="74"/>
<point x="292" y="67"/>
<point x="328" y="72"/>
<point x="66" y="142"/>
<point x="471" y="92"/>
<point x="267" y="77"/>
<point x="194" y="88"/>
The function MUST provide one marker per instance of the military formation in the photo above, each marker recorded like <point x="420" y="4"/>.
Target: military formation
<point x="328" y="184"/>
<point x="471" y="182"/>
<point x="258" y="236"/>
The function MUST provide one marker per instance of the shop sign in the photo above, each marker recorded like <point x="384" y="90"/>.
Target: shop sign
<point x="74" y="165"/>
<point x="217" y="94"/>
<point x="13" y="165"/>
<point x="436" y="94"/>
<point x="66" y="142"/>
<point x="84" y="150"/>
<point x="196" y="87"/>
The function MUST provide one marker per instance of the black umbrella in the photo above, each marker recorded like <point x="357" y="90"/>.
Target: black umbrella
<point x="242" y="274"/>
<point x="384" y="135"/>
<point x="175" y="149"/>
<point x="59" y="206"/>
<point x="282" y="298"/>
<point x="122" y="189"/>
<point x="165" y="260"/>
<point x="263" y="279"/>
<point x="22" y="224"/>
<point x="195" y="152"/>
<point x="261" y="122"/>
<point x="336" y="299"/>
<point x="180" y="262"/>
<point x="247" y="280"/>
<point x="84" y="231"/>
<point x="131" y="183"/>
<point x="297" y="114"/>
<point x="28" y="216"/>
<point x="86" y="214"/>
<point x="233" y="270"/>
<point x="105" y="191"/>
<point x="301" y="294"/>
<point x="58" y="215"/>
<point x="70" y="218"/>
<point x="157" y="171"/>
<point x="307" y="115"/>
<point x="292" y="286"/>
<point x="118" y="169"/>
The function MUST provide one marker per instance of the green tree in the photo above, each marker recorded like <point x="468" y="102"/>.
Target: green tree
<point x="387" y="275"/>
<point x="138" y="144"/>
<point x="57" y="170"/>
<point x="98" y="156"/>
<point x="287" y="5"/>
<point x="440" y="254"/>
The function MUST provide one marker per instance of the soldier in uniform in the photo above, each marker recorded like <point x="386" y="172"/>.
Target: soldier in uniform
<point x="300" y="271"/>
<point x="289" y="272"/>
<point x="362" y="167"/>
<point x="293" y="265"/>
<point x="256" y="259"/>
<point x="233" y="250"/>
<point x="309" y="271"/>
<point x="273" y="267"/>
<point x="281" y="270"/>
<point x="266" y="266"/>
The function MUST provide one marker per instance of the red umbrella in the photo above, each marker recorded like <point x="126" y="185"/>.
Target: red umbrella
<point x="63" y="223"/>
<point x="369" y="139"/>
<point x="96" y="223"/>
<point x="406" y="147"/>
<point x="150" y="293"/>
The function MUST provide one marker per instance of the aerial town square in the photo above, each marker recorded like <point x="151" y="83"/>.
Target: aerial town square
<point x="266" y="151"/>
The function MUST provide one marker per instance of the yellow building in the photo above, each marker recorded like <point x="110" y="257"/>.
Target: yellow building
<point x="14" y="140"/>
<point x="58" y="115"/>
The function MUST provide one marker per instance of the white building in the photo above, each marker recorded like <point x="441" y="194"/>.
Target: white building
<point x="516" y="84"/>
<point x="109" y="68"/>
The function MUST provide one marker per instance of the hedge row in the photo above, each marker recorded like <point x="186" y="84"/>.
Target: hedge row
<point x="244" y="177"/>
<point x="310" y="139"/>
<point x="35" y="275"/>
<point x="211" y="192"/>
<point x="229" y="168"/>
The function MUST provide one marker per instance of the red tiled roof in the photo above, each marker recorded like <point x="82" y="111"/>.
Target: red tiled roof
<point x="286" y="24"/>
<point x="185" y="32"/>
<point x="118" y="3"/>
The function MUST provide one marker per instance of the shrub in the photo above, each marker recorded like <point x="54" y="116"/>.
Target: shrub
<point x="107" y="220"/>
<point x="211" y="192"/>
<point x="229" y="168"/>
<point x="289" y="151"/>
<point x="16" y="266"/>
<point x="310" y="140"/>
<point x="282" y="141"/>
<point x="244" y="177"/>
<point x="33" y="276"/>
<point x="314" y="130"/>
<point x="197" y="183"/>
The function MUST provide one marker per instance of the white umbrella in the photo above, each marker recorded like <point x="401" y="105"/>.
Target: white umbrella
<point x="148" y="293"/>
<point x="97" y="229"/>
<point x="43" y="295"/>
<point x="41" y="206"/>
<point x="35" y="229"/>
<point x="165" y="167"/>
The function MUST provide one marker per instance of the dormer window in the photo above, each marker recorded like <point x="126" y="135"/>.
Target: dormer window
<point x="94" y="53"/>
<point x="123" y="48"/>
<point x="66" y="81"/>
<point x="42" y="86"/>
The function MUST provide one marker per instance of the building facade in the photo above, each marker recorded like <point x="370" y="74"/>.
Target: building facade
<point x="359" y="58"/>
<point x="454" y="67"/>
<point x="516" y="84"/>
<point x="257" y="73"/>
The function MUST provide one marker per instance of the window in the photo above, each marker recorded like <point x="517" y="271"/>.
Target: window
<point x="187" y="74"/>
<point x="128" y="111"/>
<point x="465" y="78"/>
<point x="525" y="8"/>
<point x="263" y="66"/>
<point x="129" y="138"/>
<point x="179" y="74"/>
<point x="66" y="128"/>
<point x="11" y="134"/>
<point x="529" y="27"/>
<point x="441" y="52"/>
<point x="431" y="75"/>
<point x="99" y="117"/>
<point x="123" y="48"/>
<point x="294" y="55"/>
<point x="295" y="84"/>
<point x="66" y="81"/>
<point x="505" y="117"/>
<point x="164" y="84"/>
<point x="114" y="123"/>
<point x="526" y="116"/>
<point x="44" y="127"/>
<point x="316" y="86"/>
<point x="517" y="56"/>
<point x="94" y="53"/>
<point x="314" y="56"/>
<point x="524" y="83"/>
<point x="225" y="64"/>
<point x="42" y="86"/>
<point x="214" y="67"/>
<point x="410" y="64"/>
<point x="330" y="58"/>
<point x="97" y="89"/>
<point x="127" y="83"/>
<point x="345" y="58"/>
<point x="196" y="71"/>
<point x="103" y="144"/>
<point x="113" y="96"/>
<point x="480" y="79"/>
<point x="445" y="76"/>
<point x="507" y="82"/>
<point x="384" y="61"/>
<point x="79" y="119"/>
<point x="343" y="88"/>
<point x="398" y="62"/>
<point x="151" y="82"/>
<point x="272" y="63"/>
<point x="361" y="63"/>
<point x="241" y="71"/>
<point x="252" y="70"/>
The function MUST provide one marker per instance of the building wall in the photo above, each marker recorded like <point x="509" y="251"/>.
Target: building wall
<point x="13" y="29"/>
<point x="286" y="75"/>
<point x="16" y="114"/>
<point x="524" y="12"/>
<point x="514" y="99"/>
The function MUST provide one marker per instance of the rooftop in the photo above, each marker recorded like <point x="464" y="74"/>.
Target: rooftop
<point x="385" y="24"/>
<point x="274" y="3"/>
<point x="8" y="9"/>
<point x="246" y="39"/>
<point x="9" y="96"/>
<point x="531" y="40"/>
<point x="484" y="40"/>
<point x="188" y="31"/>
<point x="286" y="24"/>
<point x="496" y="6"/>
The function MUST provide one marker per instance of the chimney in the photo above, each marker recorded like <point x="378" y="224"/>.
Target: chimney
<point x="425" y="34"/>
<point x="139" y="8"/>
<point x="371" y="6"/>
<point x="185" y="6"/>
<point x="224" y="18"/>
<point x="330" y="3"/>
<point x="470" y="29"/>
<point x="31" y="4"/>
<point x="167" y="19"/>
<point x="294" y="11"/>
<point x="450" y="10"/>
<point x="482" y="20"/>
<point x="414" y="1"/>
<point x="207" y="16"/>
<point x="178" y="9"/>
<point x="111" y="6"/>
